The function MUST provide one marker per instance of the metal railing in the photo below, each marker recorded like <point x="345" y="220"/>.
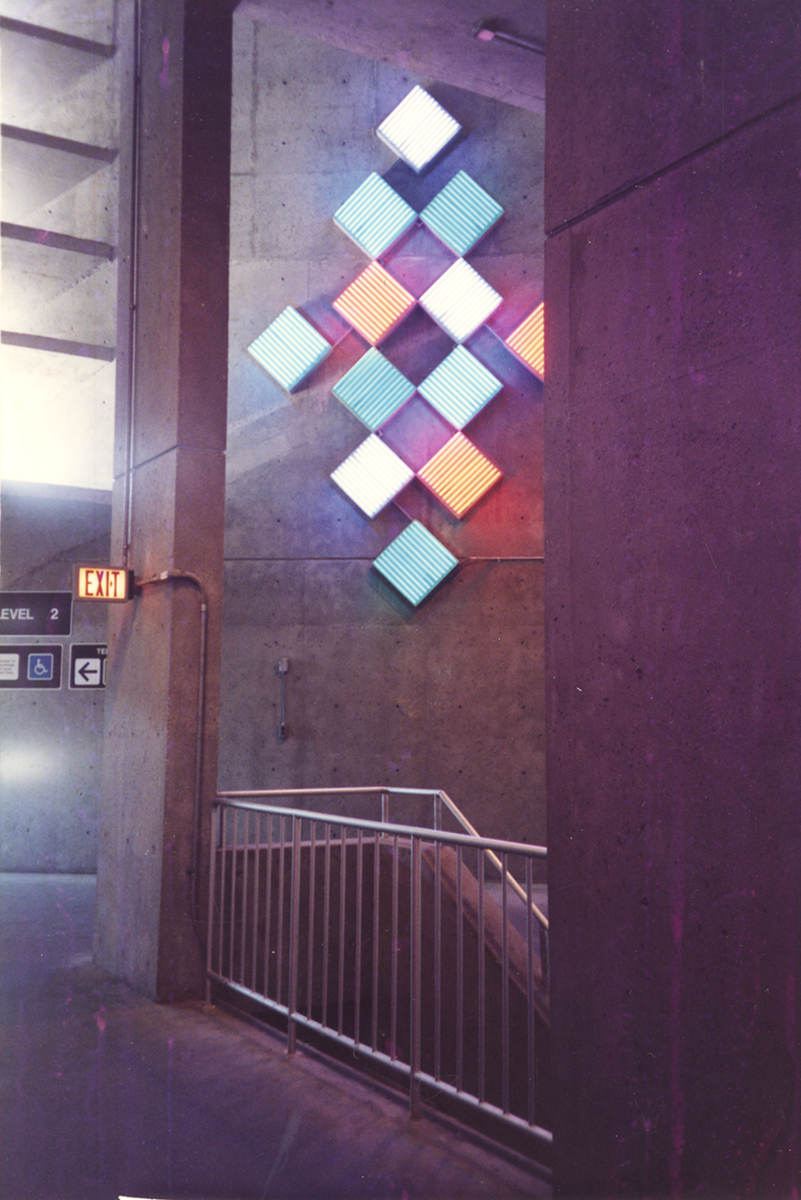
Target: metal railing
<point x="421" y="949"/>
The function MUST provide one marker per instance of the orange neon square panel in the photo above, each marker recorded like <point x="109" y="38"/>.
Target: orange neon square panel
<point x="528" y="341"/>
<point x="459" y="475"/>
<point x="374" y="303"/>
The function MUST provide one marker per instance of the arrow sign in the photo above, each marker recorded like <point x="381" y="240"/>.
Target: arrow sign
<point x="88" y="666"/>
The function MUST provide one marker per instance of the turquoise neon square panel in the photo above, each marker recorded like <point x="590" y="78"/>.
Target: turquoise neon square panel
<point x="460" y="300"/>
<point x="461" y="213"/>
<point x="418" y="129"/>
<point x="372" y="475"/>
<point x="375" y="216"/>
<point x="415" y="563"/>
<point x="373" y="389"/>
<point x="289" y="349"/>
<point x="459" y="387"/>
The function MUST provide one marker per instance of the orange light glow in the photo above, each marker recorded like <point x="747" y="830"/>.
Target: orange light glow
<point x="528" y="341"/>
<point x="374" y="303"/>
<point x="459" y="475"/>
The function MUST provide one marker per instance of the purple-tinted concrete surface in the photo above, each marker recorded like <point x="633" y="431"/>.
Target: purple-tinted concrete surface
<point x="673" y="434"/>
<point x="654" y="82"/>
<point x="105" y="1094"/>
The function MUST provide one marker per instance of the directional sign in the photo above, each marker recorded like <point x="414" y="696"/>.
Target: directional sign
<point x="108" y="584"/>
<point x="88" y="666"/>
<point x="33" y="614"/>
<point x="30" y="666"/>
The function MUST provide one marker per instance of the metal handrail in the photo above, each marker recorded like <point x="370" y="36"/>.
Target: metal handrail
<point x="256" y="931"/>
<point x="435" y="794"/>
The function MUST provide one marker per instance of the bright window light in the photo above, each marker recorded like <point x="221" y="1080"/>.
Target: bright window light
<point x="373" y="389"/>
<point x="459" y="475"/>
<point x="375" y="216"/>
<point x="528" y="341"/>
<point x="372" y="476"/>
<point x="460" y="300"/>
<point x="459" y="387"/>
<point x="461" y="213"/>
<point x="418" y="129"/>
<point x="415" y="562"/>
<point x="374" y="303"/>
<point x="289" y="349"/>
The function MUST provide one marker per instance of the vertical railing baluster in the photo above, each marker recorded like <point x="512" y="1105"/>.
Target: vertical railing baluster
<point x="459" y="970"/>
<point x="482" y="983"/>
<point x="326" y="920"/>
<point x="415" y="973"/>
<point x="279" y="966"/>
<point x="231" y="930"/>
<point x="530" y="994"/>
<point x="357" y="971"/>
<point x="342" y="921"/>
<point x="256" y="898"/>
<point x="505" y="986"/>
<point x="294" y="929"/>
<point x="244" y="933"/>
<point x="393" y="1016"/>
<point x="437" y="959"/>
<point x="268" y="915"/>
<point x="312" y="886"/>
<point x="376" y="937"/>
<point x="215" y="817"/>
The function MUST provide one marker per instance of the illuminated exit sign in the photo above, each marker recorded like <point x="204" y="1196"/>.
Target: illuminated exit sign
<point x="103" y="583"/>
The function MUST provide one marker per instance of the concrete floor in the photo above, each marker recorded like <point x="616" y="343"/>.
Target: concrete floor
<point x="105" y="1094"/>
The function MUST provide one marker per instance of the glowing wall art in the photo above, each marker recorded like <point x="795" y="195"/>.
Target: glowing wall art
<point x="418" y="129"/>
<point x="289" y="349"/>
<point x="528" y="341"/>
<point x="459" y="300"/>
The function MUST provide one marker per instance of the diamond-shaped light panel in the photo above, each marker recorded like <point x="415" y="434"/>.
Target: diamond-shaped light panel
<point x="418" y="129"/>
<point x="459" y="387"/>
<point x="460" y="300"/>
<point x="461" y="213"/>
<point x="528" y="341"/>
<point x="373" y="389"/>
<point x="289" y="348"/>
<point x="373" y="475"/>
<point x="459" y="475"/>
<point x="374" y="303"/>
<point x="415" y="562"/>
<point x="374" y="216"/>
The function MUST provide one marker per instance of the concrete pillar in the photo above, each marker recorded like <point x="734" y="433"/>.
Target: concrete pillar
<point x="673" y="516"/>
<point x="174" y="273"/>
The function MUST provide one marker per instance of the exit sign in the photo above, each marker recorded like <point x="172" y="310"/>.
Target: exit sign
<point x="103" y="583"/>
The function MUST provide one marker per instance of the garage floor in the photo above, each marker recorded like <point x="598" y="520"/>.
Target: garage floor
<point x="105" y="1094"/>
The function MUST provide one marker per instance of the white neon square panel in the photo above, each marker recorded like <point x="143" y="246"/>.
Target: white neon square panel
<point x="372" y="476"/>
<point x="460" y="300"/>
<point x="415" y="562"/>
<point x="461" y="213"/>
<point x="418" y="129"/>
<point x="459" y="387"/>
<point x="289" y="349"/>
<point x="375" y="216"/>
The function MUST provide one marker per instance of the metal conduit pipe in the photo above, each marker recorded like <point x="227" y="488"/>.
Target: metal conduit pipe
<point x="133" y="286"/>
<point x="486" y="31"/>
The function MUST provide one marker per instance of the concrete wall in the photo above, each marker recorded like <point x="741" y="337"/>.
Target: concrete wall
<point x="51" y="741"/>
<point x="449" y="695"/>
<point x="672" y="448"/>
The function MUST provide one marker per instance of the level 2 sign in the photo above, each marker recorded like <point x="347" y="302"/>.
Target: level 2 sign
<point x="32" y="614"/>
<point x="30" y="666"/>
<point x="88" y="666"/>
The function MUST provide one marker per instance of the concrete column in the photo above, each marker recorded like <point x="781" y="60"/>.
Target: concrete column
<point x="171" y="419"/>
<point x="673" y="517"/>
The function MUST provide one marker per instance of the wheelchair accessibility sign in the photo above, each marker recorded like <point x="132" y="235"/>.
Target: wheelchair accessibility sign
<point x="30" y="666"/>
